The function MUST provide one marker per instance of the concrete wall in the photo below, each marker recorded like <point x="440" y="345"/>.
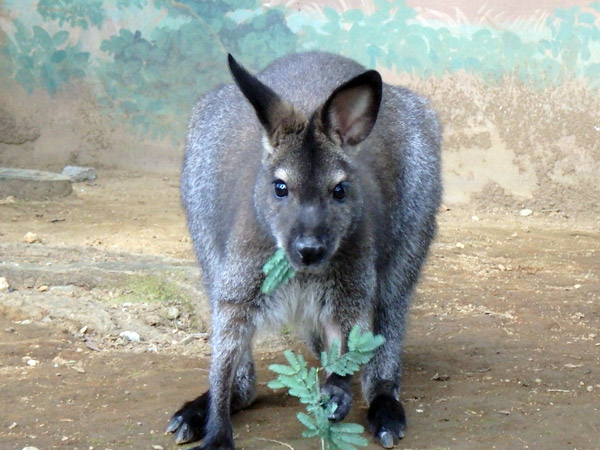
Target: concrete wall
<point x="112" y="84"/>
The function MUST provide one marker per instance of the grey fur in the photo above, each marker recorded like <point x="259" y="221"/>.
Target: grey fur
<point x="375" y="240"/>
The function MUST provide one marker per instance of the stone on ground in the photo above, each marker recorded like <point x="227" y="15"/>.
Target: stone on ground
<point x="28" y="184"/>
<point x="78" y="174"/>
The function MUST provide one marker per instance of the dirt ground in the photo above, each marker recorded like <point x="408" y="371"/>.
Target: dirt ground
<point x="502" y="351"/>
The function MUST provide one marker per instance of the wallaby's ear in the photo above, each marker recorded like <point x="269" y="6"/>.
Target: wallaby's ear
<point x="349" y="114"/>
<point x="270" y="109"/>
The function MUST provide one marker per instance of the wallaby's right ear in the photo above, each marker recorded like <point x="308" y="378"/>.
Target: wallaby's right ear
<point x="270" y="109"/>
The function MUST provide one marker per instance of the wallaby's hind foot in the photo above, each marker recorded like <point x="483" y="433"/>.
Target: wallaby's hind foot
<point x="387" y="420"/>
<point x="188" y="424"/>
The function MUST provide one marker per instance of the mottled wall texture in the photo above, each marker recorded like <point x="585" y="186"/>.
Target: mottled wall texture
<point x="111" y="82"/>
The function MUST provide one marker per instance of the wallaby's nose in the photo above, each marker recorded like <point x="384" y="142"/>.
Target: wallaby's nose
<point x="310" y="249"/>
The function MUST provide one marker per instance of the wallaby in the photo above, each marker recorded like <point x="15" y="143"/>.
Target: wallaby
<point x="318" y="157"/>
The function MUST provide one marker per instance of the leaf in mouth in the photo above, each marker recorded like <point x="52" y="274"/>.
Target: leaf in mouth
<point x="278" y="271"/>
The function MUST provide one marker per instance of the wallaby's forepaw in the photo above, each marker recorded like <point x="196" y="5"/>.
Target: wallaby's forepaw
<point x="189" y="422"/>
<point x="387" y="420"/>
<point x="338" y="393"/>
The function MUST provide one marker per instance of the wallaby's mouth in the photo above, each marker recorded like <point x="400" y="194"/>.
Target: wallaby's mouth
<point x="314" y="268"/>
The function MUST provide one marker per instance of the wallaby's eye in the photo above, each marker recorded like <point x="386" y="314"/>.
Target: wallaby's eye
<point x="281" y="189"/>
<point x="339" y="193"/>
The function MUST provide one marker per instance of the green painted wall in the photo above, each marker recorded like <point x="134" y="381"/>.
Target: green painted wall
<point x="148" y="60"/>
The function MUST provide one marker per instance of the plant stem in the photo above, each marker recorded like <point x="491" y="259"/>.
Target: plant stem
<point x="318" y="399"/>
<point x="318" y="386"/>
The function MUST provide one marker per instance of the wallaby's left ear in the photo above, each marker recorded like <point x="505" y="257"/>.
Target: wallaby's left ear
<point x="349" y="114"/>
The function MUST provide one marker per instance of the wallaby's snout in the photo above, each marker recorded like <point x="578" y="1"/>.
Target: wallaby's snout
<point x="310" y="250"/>
<point x="310" y="242"/>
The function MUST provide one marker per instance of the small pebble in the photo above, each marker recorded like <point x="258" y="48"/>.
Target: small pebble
<point x="475" y="218"/>
<point x="78" y="368"/>
<point x="172" y="313"/>
<point x="460" y="245"/>
<point x="152" y="319"/>
<point x="4" y="284"/>
<point x="438" y="377"/>
<point x="43" y="288"/>
<point x="31" y="238"/>
<point x="131" y="336"/>
<point x="525" y="212"/>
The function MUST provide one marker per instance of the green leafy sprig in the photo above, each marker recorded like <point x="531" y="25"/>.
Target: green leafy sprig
<point x="278" y="271"/>
<point x="303" y="382"/>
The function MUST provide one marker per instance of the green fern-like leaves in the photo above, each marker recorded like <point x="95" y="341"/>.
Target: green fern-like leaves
<point x="299" y="380"/>
<point x="303" y="382"/>
<point x="361" y="347"/>
<point x="278" y="271"/>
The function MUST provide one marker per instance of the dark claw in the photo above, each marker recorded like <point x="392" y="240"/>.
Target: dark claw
<point x="341" y="399"/>
<point x="387" y="420"/>
<point x="386" y="439"/>
<point x="183" y="435"/>
<point x="333" y="416"/>
<point x="174" y="424"/>
<point x="189" y="422"/>
<point x="337" y="390"/>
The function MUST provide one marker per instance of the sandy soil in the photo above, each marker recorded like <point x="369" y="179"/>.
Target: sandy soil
<point x="502" y="351"/>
